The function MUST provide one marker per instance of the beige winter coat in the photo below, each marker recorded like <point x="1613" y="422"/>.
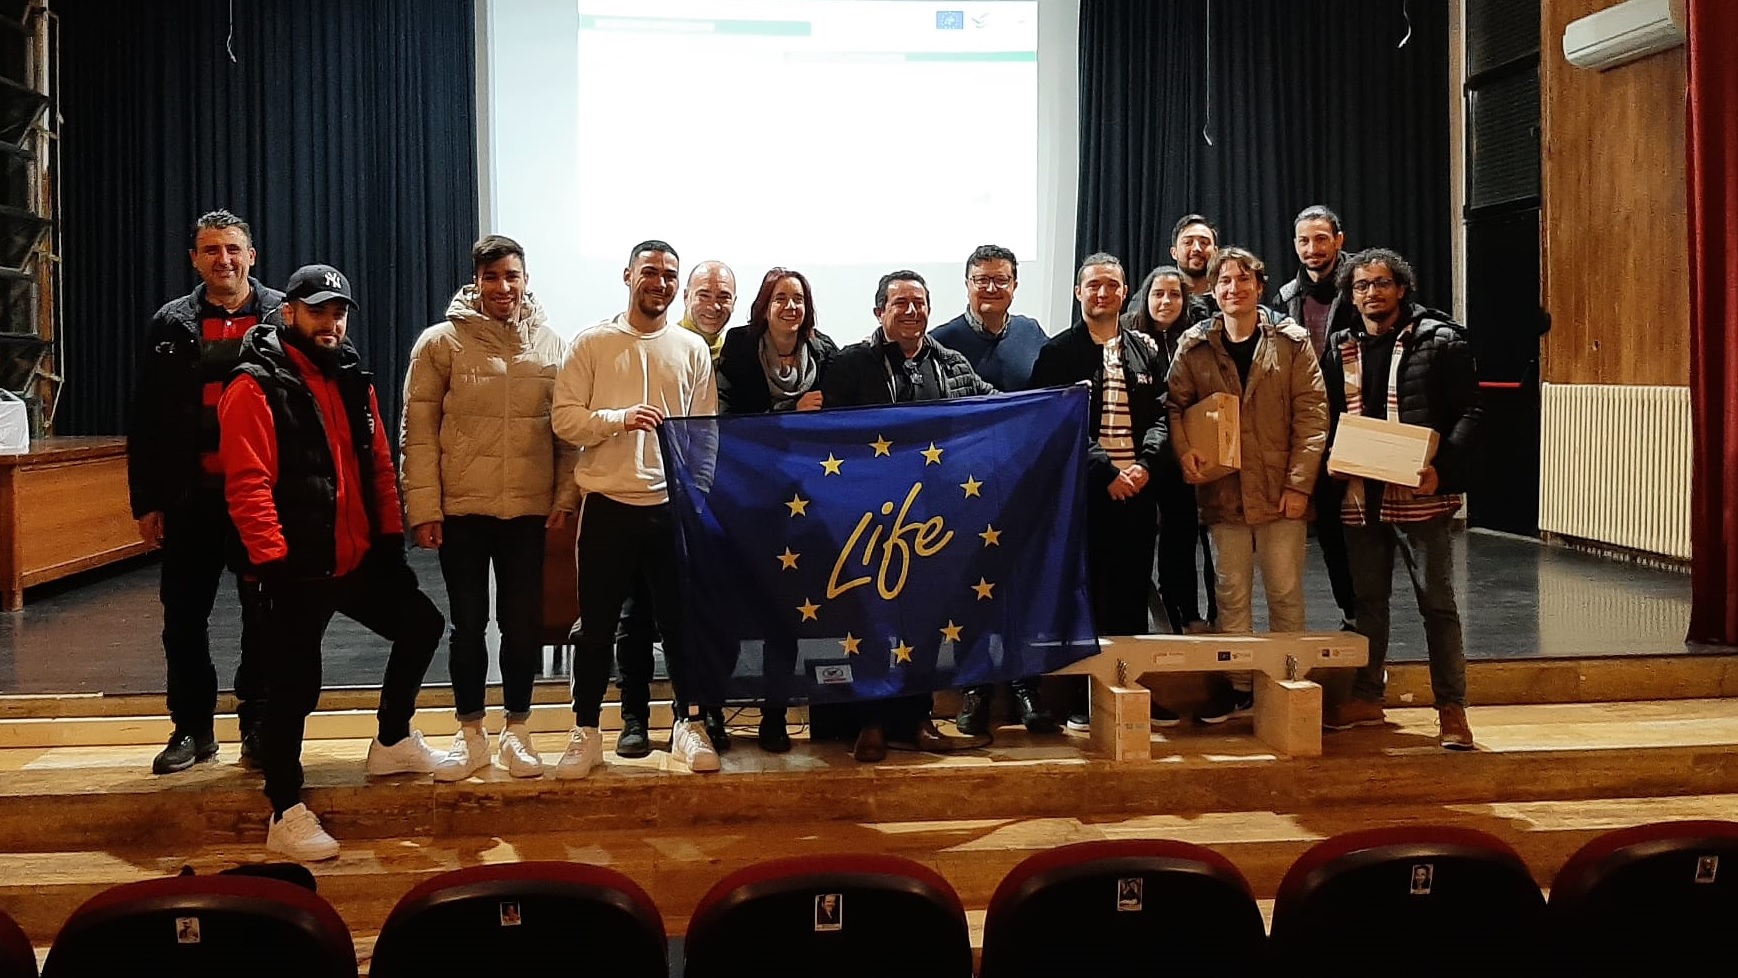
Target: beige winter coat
<point x="1284" y="418"/>
<point x="476" y="438"/>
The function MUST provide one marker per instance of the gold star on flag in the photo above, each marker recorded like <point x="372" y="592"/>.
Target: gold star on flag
<point x="901" y="653"/>
<point x="952" y="631"/>
<point x="832" y="464"/>
<point x="983" y="588"/>
<point x="788" y="560"/>
<point x="971" y="486"/>
<point x="931" y="455"/>
<point x="799" y="506"/>
<point x="992" y="536"/>
<point x="808" y="608"/>
<point x="882" y="446"/>
<point x="850" y="642"/>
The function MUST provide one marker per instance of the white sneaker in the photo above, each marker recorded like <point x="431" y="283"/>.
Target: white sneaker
<point x="584" y="752"/>
<point x="690" y="745"/>
<point x="412" y="755"/>
<point x="516" y="754"/>
<point x="468" y="755"/>
<point x="299" y="836"/>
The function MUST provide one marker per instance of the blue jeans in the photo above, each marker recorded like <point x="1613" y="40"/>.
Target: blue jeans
<point x="470" y="545"/>
<point x="1428" y="551"/>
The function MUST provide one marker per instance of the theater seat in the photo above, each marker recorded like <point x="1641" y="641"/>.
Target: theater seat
<point x="843" y="916"/>
<point x="1653" y="899"/>
<point x="204" y="927"/>
<point x="518" y="918"/>
<point x="1128" y="907"/>
<point x="17" y="957"/>
<point x="1412" y="900"/>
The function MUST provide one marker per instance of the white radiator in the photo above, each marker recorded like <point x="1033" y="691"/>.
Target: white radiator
<point x="1614" y="465"/>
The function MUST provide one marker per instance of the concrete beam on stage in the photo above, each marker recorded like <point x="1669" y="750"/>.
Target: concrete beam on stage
<point x="1288" y="707"/>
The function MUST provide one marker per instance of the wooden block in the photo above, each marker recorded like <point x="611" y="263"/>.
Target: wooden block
<point x="1387" y="451"/>
<point x="1121" y="721"/>
<point x="1214" y="427"/>
<point x="1288" y="715"/>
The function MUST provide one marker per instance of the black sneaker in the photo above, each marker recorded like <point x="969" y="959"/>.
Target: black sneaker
<point x="1081" y="722"/>
<point x="1034" y="717"/>
<point x="774" y="737"/>
<point x="1227" y="705"/>
<point x="183" y="751"/>
<point x="251" y="756"/>
<point x="1162" y="717"/>
<point x="974" y="716"/>
<point x="633" y="742"/>
<point x="713" y="720"/>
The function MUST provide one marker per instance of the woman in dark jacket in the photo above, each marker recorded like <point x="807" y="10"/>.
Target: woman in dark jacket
<point x="775" y="363"/>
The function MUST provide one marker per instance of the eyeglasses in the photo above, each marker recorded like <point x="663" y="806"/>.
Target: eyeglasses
<point x="985" y="281"/>
<point x="1379" y="284"/>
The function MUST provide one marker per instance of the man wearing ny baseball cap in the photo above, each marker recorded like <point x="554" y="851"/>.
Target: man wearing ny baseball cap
<point x="314" y="497"/>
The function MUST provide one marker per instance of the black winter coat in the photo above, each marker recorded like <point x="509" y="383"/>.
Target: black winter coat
<point x="741" y="379"/>
<point x="1438" y="383"/>
<point x="1072" y="356"/>
<point x="861" y="374"/>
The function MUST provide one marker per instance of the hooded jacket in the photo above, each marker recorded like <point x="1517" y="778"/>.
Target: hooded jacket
<point x="476" y="438"/>
<point x="1283" y="416"/>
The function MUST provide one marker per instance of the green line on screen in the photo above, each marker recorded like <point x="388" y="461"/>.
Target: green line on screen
<point x="971" y="56"/>
<point x="686" y="25"/>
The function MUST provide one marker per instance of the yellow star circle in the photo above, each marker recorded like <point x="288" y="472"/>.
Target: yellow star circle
<point x="808" y="608"/>
<point x="983" y="588"/>
<point x="952" y="631"/>
<point x="992" y="536"/>
<point x="882" y="446"/>
<point x="798" y="505"/>
<point x="788" y="560"/>
<point x="850" y="642"/>
<point x="901" y="653"/>
<point x="831" y="465"/>
<point x="931" y="455"/>
<point x="971" y="487"/>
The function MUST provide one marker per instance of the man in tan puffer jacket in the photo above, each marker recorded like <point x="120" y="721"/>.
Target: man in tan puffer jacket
<point x="1259" y="512"/>
<point x="484" y="477"/>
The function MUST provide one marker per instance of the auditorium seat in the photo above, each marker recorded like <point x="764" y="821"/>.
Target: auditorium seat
<point x="518" y="918"/>
<point x="1653" y="899"/>
<point x="1413" y="900"/>
<point x="204" y="927"/>
<point x="841" y="916"/>
<point x="1126" y="907"/>
<point x="17" y="957"/>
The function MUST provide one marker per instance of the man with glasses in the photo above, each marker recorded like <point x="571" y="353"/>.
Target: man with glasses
<point x="1404" y="362"/>
<point x="900" y="364"/>
<point x="1000" y="346"/>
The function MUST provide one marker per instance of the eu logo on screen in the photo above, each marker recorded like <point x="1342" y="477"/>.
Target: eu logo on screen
<point x="950" y="20"/>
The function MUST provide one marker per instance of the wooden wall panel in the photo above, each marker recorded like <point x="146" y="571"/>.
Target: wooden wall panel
<point x="1615" y="228"/>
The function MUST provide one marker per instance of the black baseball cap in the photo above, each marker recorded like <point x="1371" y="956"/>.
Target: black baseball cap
<point x="314" y="284"/>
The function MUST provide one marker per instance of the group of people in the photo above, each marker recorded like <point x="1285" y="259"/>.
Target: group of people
<point x="258" y="444"/>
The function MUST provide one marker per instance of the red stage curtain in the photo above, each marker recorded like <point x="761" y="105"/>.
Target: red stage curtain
<point x="1712" y="132"/>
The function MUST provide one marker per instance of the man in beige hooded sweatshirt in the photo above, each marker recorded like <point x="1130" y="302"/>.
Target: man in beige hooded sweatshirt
<point x="484" y="477"/>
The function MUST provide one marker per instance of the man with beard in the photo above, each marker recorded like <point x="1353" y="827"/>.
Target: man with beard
<point x="1313" y="300"/>
<point x="1194" y="242"/>
<point x="621" y="379"/>
<point x="309" y="480"/>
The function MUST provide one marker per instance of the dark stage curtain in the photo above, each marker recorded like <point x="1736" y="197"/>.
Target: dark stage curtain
<point x="343" y="131"/>
<point x="1713" y="203"/>
<point x="1306" y="103"/>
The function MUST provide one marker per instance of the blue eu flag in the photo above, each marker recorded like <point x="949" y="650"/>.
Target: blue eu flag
<point x="872" y="552"/>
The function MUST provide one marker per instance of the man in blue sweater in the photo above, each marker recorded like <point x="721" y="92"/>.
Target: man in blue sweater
<point x="1001" y="347"/>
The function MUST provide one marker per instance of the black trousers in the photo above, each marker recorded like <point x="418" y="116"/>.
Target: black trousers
<point x="1180" y="531"/>
<point x="470" y="546"/>
<point x="197" y="538"/>
<point x="1119" y="561"/>
<point x="636" y="630"/>
<point x="381" y="595"/>
<point x="1331" y="537"/>
<point x="621" y="547"/>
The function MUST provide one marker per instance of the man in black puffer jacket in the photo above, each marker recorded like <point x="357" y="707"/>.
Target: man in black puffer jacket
<point x="1406" y="363"/>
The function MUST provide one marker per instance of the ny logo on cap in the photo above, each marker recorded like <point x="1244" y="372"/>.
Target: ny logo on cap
<point x="334" y="280"/>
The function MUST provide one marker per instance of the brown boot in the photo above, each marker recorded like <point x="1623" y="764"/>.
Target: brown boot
<point x="1454" y="734"/>
<point x="1353" y="713"/>
<point x="871" y="744"/>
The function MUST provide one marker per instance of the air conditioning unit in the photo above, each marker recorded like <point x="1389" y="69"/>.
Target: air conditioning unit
<point x="1624" y="32"/>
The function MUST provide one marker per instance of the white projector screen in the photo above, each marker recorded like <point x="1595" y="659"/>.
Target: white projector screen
<point x="843" y="138"/>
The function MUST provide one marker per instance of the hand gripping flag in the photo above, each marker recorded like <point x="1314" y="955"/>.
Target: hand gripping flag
<point x="870" y="552"/>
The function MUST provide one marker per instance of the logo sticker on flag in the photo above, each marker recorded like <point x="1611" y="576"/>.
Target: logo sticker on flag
<point x="881" y="550"/>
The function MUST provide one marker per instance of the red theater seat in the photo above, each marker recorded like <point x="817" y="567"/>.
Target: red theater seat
<point x="17" y="957"/>
<point x="1132" y="907"/>
<point x="518" y="918"/>
<point x="1653" y="899"/>
<point x="204" y="927"/>
<point x="1412" y="900"/>
<point x="845" y="916"/>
